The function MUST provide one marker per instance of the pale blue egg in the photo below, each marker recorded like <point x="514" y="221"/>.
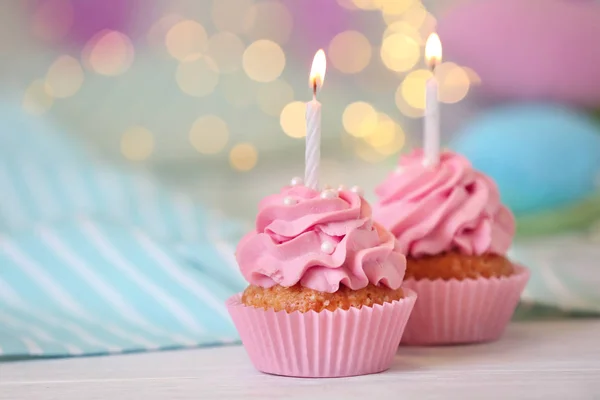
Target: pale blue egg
<point x="542" y="156"/>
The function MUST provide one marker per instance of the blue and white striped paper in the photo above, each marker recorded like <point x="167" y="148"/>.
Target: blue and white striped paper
<point x="96" y="259"/>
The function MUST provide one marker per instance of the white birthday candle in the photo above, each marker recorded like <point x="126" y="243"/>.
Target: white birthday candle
<point x="431" y="125"/>
<point x="313" y="123"/>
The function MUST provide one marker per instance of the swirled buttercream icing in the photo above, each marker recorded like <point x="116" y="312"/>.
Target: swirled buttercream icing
<point x="446" y="207"/>
<point x="321" y="241"/>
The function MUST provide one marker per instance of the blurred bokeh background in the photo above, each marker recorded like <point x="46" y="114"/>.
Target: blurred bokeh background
<point x="209" y="97"/>
<point x="205" y="92"/>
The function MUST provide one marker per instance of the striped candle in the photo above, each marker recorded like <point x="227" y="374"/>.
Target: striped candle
<point x="313" y="123"/>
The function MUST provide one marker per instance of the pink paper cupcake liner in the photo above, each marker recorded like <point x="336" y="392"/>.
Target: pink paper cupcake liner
<point x="460" y="312"/>
<point x="322" y="345"/>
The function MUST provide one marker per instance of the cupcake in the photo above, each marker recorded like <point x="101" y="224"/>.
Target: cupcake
<point x="455" y="232"/>
<point x="324" y="296"/>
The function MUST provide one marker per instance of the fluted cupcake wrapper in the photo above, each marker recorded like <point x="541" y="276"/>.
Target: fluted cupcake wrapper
<point x="322" y="345"/>
<point x="467" y="311"/>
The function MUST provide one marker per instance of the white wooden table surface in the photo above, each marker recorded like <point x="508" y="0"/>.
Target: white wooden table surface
<point x="534" y="360"/>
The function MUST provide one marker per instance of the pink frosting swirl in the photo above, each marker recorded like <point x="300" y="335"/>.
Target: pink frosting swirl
<point x="448" y="207"/>
<point x="286" y="246"/>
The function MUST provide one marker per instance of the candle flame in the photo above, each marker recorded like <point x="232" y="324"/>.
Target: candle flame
<point x="433" y="50"/>
<point x="317" y="71"/>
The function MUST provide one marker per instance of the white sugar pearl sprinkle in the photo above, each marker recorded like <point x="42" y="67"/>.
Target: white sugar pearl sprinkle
<point x="358" y="190"/>
<point x="328" y="194"/>
<point x="289" y="201"/>
<point x="297" y="181"/>
<point x="327" y="247"/>
<point x="342" y="187"/>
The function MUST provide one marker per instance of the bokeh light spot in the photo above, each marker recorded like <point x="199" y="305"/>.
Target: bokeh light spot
<point x="197" y="78"/>
<point x="388" y="138"/>
<point x="412" y="88"/>
<point x="52" y="20"/>
<point x="406" y="109"/>
<point x="226" y="49"/>
<point x="269" y="20"/>
<point x="209" y="134"/>
<point x="293" y="119"/>
<point x="64" y="77"/>
<point x="243" y="157"/>
<point x="415" y="15"/>
<point x="400" y="52"/>
<point x="393" y="7"/>
<point x="273" y="96"/>
<point x="396" y="145"/>
<point x="108" y="53"/>
<point x="186" y="40"/>
<point x="359" y="119"/>
<point x="453" y="82"/>
<point x="230" y="15"/>
<point x="383" y="134"/>
<point x="474" y="77"/>
<point x="37" y="100"/>
<point x="263" y="61"/>
<point x="428" y="25"/>
<point x="405" y="29"/>
<point x="137" y="143"/>
<point x="157" y="34"/>
<point x="348" y="4"/>
<point x="365" y="4"/>
<point x="350" y="52"/>
<point x="367" y="153"/>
